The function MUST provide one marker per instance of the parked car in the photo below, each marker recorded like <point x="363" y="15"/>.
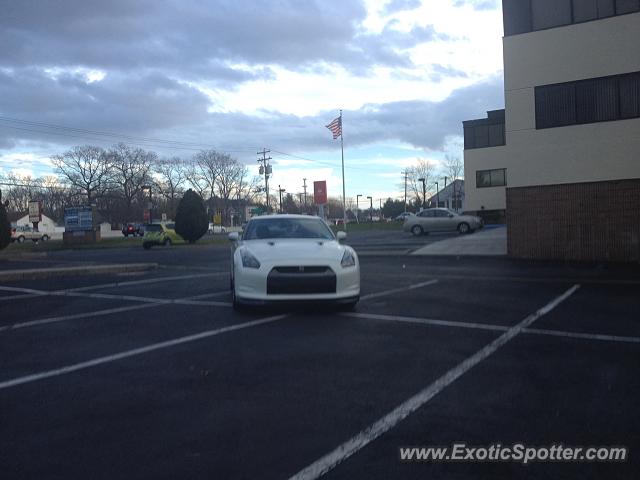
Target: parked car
<point x="403" y="216"/>
<point x="160" y="234"/>
<point x="134" y="229"/>
<point x="216" y="229"/>
<point x="292" y="258"/>
<point x="26" y="232"/>
<point x="441" y="220"/>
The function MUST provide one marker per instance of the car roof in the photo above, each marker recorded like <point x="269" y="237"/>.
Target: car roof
<point x="284" y="215"/>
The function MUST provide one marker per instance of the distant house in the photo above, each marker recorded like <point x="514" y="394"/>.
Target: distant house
<point x="452" y="196"/>
<point x="46" y="225"/>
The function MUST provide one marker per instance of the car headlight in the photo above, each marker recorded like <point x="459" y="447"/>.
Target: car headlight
<point x="248" y="260"/>
<point x="348" y="259"/>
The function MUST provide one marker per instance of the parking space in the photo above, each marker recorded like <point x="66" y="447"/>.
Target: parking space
<point x="153" y="375"/>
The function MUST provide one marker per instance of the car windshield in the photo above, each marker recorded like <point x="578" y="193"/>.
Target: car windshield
<point x="287" y="228"/>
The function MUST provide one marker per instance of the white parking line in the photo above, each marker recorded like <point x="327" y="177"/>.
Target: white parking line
<point x="426" y="321"/>
<point x="31" y="293"/>
<point x="397" y="290"/>
<point x="494" y="327"/>
<point x="402" y="411"/>
<point x="137" y="351"/>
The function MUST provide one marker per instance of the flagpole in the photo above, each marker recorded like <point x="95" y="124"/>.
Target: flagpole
<point x="344" y="198"/>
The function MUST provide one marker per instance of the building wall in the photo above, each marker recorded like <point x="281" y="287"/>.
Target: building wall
<point x="596" y="221"/>
<point x="569" y="154"/>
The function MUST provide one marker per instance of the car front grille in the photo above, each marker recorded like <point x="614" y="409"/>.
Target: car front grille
<point x="300" y="280"/>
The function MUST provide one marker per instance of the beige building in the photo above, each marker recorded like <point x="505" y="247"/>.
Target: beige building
<point x="571" y="120"/>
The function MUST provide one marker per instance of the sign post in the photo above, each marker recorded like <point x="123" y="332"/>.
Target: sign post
<point x="35" y="213"/>
<point x="320" y="196"/>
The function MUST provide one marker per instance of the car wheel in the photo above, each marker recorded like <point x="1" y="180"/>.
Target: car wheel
<point x="417" y="230"/>
<point x="167" y="242"/>
<point x="464" y="228"/>
<point x="20" y="239"/>
<point x="45" y="238"/>
<point x="146" y="246"/>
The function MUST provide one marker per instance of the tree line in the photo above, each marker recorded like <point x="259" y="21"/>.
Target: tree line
<point x="123" y="181"/>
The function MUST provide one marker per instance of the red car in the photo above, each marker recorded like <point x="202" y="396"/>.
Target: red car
<point x="132" y="229"/>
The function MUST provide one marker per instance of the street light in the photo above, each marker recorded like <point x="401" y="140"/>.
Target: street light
<point x="358" y="207"/>
<point x="280" y="190"/>
<point x="370" y="208"/>
<point x="424" y="192"/>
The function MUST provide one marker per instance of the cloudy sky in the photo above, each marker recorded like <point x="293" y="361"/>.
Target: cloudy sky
<point x="176" y="76"/>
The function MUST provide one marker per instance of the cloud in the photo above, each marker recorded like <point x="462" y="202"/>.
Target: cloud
<point x="195" y="40"/>
<point x="478" y="4"/>
<point x="395" y="6"/>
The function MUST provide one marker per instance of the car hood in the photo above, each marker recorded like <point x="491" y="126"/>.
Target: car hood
<point x="310" y="251"/>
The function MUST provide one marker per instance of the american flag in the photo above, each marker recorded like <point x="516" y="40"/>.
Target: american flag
<point x="336" y="127"/>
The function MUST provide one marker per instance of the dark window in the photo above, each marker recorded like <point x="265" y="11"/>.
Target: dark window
<point x="627" y="6"/>
<point x="469" y="137"/>
<point x="606" y="8"/>
<point x="555" y="105"/>
<point x="496" y="135"/>
<point x="550" y="13"/>
<point x="586" y="101"/>
<point x="481" y="136"/>
<point x="426" y="213"/>
<point x="584" y="10"/>
<point x="597" y="100"/>
<point x="630" y="96"/>
<point x="516" y="15"/>
<point x="491" y="178"/>
<point x="442" y="213"/>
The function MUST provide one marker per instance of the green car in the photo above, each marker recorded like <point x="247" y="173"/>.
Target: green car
<point x="160" y="234"/>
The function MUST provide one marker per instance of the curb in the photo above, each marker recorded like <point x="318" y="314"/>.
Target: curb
<point x="33" y="273"/>
<point x="12" y="255"/>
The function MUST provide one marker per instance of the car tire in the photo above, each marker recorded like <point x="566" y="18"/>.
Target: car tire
<point x="167" y="242"/>
<point x="146" y="246"/>
<point x="20" y="239"/>
<point x="464" y="228"/>
<point x="417" y="230"/>
<point x="45" y="238"/>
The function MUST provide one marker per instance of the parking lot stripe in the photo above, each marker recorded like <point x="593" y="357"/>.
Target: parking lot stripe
<point x="426" y="321"/>
<point x="137" y="351"/>
<point x="147" y="281"/>
<point x="583" y="336"/>
<point x="487" y="326"/>
<point x="384" y="293"/>
<point x="402" y="411"/>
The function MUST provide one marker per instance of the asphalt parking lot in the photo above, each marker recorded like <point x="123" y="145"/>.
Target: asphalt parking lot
<point x="153" y="375"/>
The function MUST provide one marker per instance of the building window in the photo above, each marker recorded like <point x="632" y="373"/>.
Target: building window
<point x="485" y="132"/>
<point x="491" y="178"/>
<point x="587" y="101"/>
<point x="550" y="13"/>
<point x="522" y="16"/>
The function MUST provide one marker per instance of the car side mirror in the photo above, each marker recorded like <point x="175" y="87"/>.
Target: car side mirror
<point x="341" y="235"/>
<point x="234" y="237"/>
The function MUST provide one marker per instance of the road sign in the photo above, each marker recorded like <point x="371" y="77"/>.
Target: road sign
<point x="78" y="219"/>
<point x="320" y="192"/>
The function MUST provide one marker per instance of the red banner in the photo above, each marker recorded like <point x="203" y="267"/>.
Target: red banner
<point x="320" y="192"/>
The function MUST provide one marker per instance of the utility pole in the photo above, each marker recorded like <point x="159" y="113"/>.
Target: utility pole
<point x="424" y="192"/>
<point x="445" y="187"/>
<point x="406" y="173"/>
<point x="304" y="187"/>
<point x="358" y="207"/>
<point x="280" y="190"/>
<point x="380" y="200"/>
<point x="265" y="169"/>
<point x="437" y="196"/>
<point x="370" y="209"/>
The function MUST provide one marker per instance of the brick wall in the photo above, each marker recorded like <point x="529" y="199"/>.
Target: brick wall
<point x="577" y="221"/>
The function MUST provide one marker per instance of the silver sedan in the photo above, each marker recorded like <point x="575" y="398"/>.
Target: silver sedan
<point x="441" y="220"/>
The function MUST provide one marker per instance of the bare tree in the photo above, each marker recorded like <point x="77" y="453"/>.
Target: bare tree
<point x="453" y="167"/>
<point x="421" y="169"/>
<point x="204" y="171"/>
<point x="229" y="179"/>
<point x="172" y="175"/>
<point x="86" y="168"/>
<point x="131" y="167"/>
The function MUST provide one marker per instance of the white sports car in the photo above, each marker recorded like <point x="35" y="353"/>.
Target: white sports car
<point x="290" y="258"/>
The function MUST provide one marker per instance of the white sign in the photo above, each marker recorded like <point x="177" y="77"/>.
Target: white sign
<point x="35" y="213"/>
